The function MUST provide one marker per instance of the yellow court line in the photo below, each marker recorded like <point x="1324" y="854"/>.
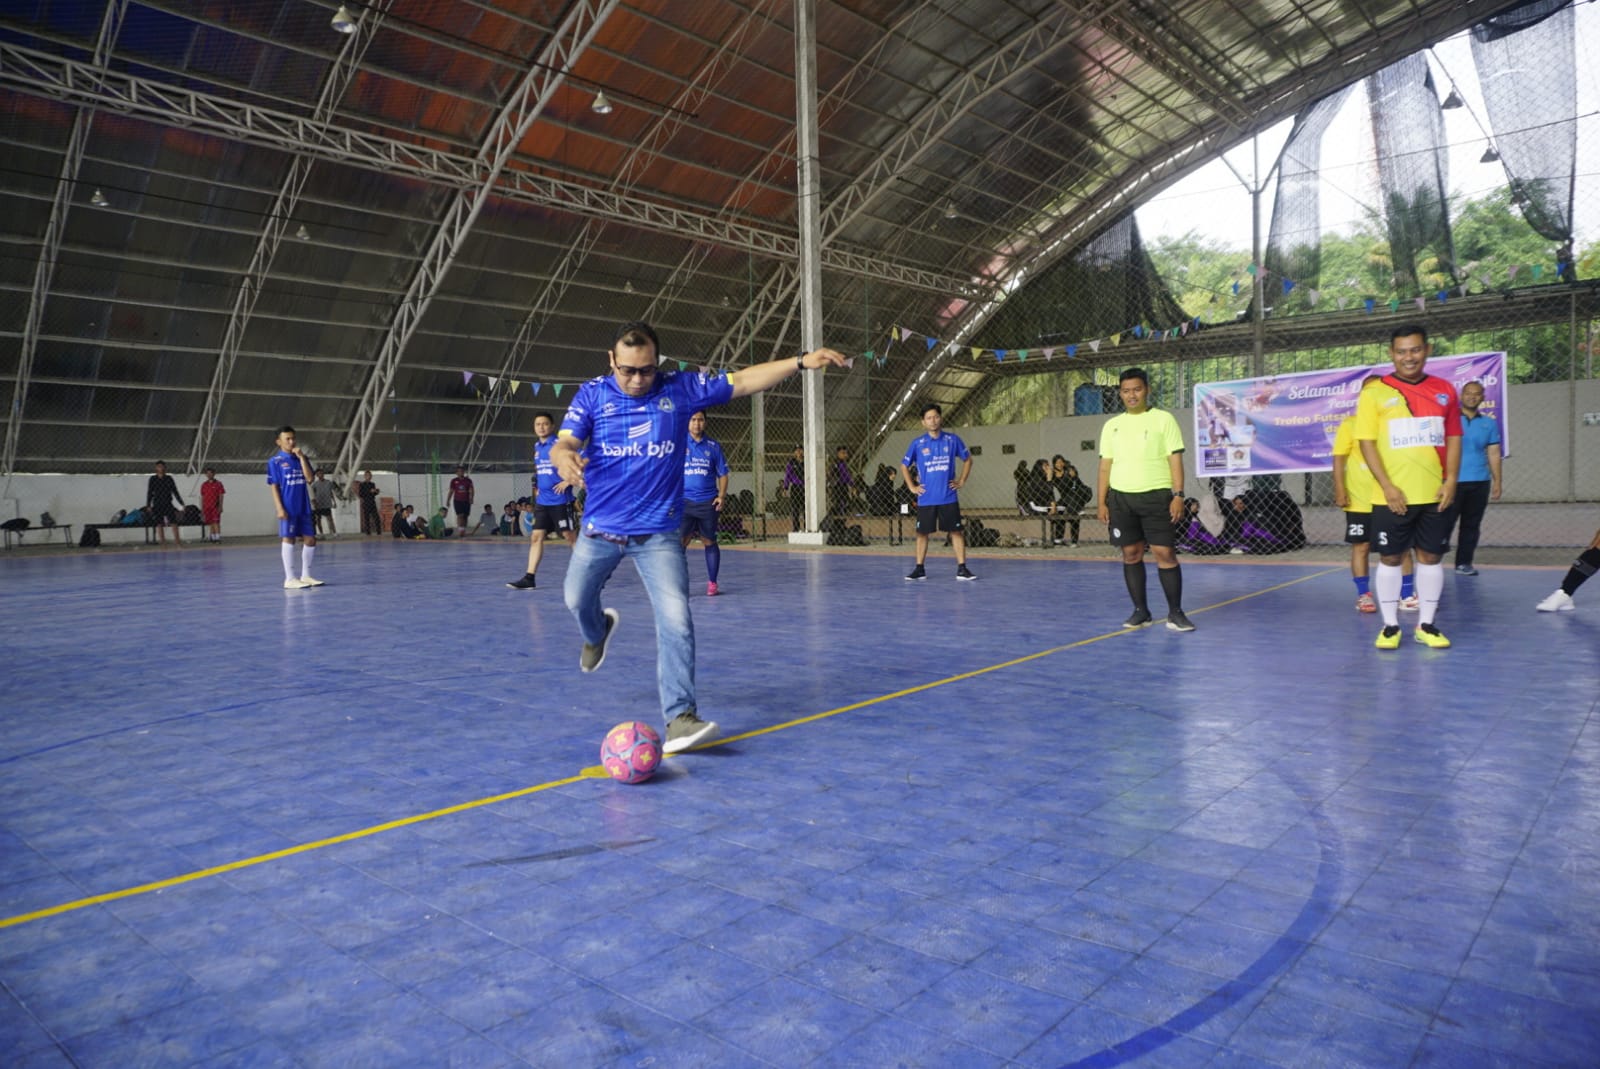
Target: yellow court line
<point x="593" y="772"/>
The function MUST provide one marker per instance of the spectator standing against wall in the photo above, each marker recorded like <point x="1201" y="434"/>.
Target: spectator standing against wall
<point x="211" y="494"/>
<point x="322" y="503"/>
<point x="928" y="469"/>
<point x="160" y="493"/>
<point x="552" y="501"/>
<point x="793" y="487"/>
<point x="461" y="494"/>
<point x="367" y="493"/>
<point x="1479" y="483"/>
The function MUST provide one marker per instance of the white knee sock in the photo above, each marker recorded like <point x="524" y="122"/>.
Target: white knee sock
<point x="305" y="561"/>
<point x="1387" y="584"/>
<point x="288" y="559"/>
<point x="1430" y="584"/>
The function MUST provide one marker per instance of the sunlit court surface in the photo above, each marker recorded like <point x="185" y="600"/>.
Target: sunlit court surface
<point x="948" y="824"/>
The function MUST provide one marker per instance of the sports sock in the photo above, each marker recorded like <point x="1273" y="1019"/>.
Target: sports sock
<point x="1408" y="585"/>
<point x="1133" y="575"/>
<point x="306" y="553"/>
<point x="1388" y="586"/>
<point x="1587" y="564"/>
<point x="1172" y="587"/>
<point x="713" y="561"/>
<point x="288" y="559"/>
<point x="1430" y="584"/>
<point x="1363" y="584"/>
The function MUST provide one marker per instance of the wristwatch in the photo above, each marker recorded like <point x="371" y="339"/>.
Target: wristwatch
<point x="800" y="362"/>
<point x="1177" y="493"/>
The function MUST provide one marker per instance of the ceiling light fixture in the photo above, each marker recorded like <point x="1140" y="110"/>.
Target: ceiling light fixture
<point x="1489" y="156"/>
<point x="601" y="105"/>
<point x="303" y="234"/>
<point x="1453" y="100"/>
<point x="99" y="199"/>
<point x="627" y="287"/>
<point x="950" y="209"/>
<point x="342" y="22"/>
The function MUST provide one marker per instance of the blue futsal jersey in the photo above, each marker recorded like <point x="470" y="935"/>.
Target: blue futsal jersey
<point x="636" y="447"/>
<point x="284" y="472"/>
<point x="545" y="477"/>
<point x="703" y="465"/>
<point x="934" y="460"/>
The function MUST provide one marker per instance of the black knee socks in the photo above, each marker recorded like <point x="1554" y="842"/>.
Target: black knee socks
<point x="1133" y="575"/>
<point x="1587" y="564"/>
<point x="1172" y="587"/>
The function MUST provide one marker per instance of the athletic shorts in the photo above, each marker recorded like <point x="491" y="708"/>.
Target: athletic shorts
<point x="1142" y="517"/>
<point x="1423" y="527"/>
<point x="552" y="519"/>
<point x="166" y="515"/>
<point x="946" y="517"/>
<point x="463" y="508"/>
<point x="1357" y="528"/>
<point x="324" y="513"/>
<point x="300" y="526"/>
<point x="699" y="520"/>
<point x="211" y="515"/>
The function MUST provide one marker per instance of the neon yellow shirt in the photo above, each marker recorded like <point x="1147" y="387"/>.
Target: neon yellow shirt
<point x="1138" y="447"/>
<point x="1359" y="485"/>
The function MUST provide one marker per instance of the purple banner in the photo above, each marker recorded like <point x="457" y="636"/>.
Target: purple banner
<point x="1285" y="423"/>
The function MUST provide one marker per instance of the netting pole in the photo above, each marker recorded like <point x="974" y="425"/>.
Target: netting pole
<point x="809" y="179"/>
<point x="1259" y="291"/>
<point x="1572" y="394"/>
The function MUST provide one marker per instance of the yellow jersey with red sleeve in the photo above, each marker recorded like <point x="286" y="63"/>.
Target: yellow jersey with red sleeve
<point x="1359" y="485"/>
<point x="1409" y="422"/>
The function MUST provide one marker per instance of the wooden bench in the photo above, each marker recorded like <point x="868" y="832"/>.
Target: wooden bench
<point x="64" y="528"/>
<point x="149" y="529"/>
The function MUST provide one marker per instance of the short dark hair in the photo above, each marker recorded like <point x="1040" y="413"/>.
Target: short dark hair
<point x="1405" y="330"/>
<point x="698" y="412"/>
<point x="1134" y="373"/>
<point x="537" y="416"/>
<point x="931" y="407"/>
<point x="161" y="463"/>
<point x="635" y="334"/>
<point x="285" y="429"/>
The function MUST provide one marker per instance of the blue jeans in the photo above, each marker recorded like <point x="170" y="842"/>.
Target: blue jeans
<point x="661" y="565"/>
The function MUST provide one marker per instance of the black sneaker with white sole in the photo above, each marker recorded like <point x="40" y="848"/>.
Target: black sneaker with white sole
<point x="964" y="575"/>
<point x="686" y="730"/>
<point x="1140" y="618"/>
<point x="919" y="572"/>
<point x="525" y="583"/>
<point x="594" y="655"/>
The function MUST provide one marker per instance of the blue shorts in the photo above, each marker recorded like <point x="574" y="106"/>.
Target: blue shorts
<point x="699" y="519"/>
<point x="301" y="526"/>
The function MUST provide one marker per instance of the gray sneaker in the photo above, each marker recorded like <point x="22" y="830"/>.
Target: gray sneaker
<point x="1140" y="618"/>
<point x="593" y="656"/>
<point x="686" y="730"/>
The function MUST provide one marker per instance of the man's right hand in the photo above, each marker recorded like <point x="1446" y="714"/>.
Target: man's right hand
<point x="1102" y="513"/>
<point x="1396" y="500"/>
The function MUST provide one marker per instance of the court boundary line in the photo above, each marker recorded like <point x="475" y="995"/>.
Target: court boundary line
<point x="591" y="772"/>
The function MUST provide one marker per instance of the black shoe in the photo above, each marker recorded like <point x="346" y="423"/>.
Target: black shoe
<point x="917" y="573"/>
<point x="687" y="729"/>
<point x="593" y="656"/>
<point x="1140" y="618"/>
<point x="1176" y="621"/>
<point x="964" y="575"/>
<point x="525" y="583"/>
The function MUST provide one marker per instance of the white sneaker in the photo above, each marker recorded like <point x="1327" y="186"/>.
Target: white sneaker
<point x="306" y="580"/>
<point x="1560" y="601"/>
<point x="293" y="584"/>
<point x="1411" y="604"/>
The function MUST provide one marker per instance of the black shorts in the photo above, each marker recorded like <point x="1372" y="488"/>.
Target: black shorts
<point x="463" y="509"/>
<point x="1142" y="517"/>
<point x="1357" y="528"/>
<point x="699" y="520"/>
<point x="553" y="519"/>
<point x="161" y="515"/>
<point x="322" y="512"/>
<point x="946" y="517"/>
<point x="1424" y="528"/>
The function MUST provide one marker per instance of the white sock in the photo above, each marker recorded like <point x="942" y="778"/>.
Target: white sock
<point x="288" y="559"/>
<point x="305" y="561"/>
<point x="1387" y="585"/>
<point x="1430" y="584"/>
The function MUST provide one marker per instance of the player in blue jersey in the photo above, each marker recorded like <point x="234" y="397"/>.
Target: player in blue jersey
<point x="552" y="500"/>
<point x="927" y="469"/>
<point x="623" y="439"/>
<point x="289" y="478"/>
<point x="705" y="486"/>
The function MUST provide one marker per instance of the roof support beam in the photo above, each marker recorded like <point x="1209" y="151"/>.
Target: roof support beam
<point x="50" y="246"/>
<point x="42" y="74"/>
<point x="543" y="77"/>
<point x="340" y="75"/>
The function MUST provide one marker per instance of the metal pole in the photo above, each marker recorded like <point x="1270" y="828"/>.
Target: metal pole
<point x="809" y="181"/>
<point x="1257" y="361"/>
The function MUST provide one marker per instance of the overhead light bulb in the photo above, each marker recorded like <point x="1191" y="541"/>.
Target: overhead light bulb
<point x="99" y="199"/>
<point x="627" y="287"/>
<point x="342" y="21"/>
<point x="1453" y="100"/>
<point x="303" y="234"/>
<point x="1489" y="156"/>
<point x="601" y="105"/>
<point x="950" y="209"/>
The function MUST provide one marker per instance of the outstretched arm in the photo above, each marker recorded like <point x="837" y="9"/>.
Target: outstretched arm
<point x="749" y="380"/>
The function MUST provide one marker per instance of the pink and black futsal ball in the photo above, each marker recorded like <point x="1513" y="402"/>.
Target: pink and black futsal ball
<point x="631" y="752"/>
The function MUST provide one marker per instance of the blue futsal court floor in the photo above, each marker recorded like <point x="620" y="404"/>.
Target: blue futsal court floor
<point x="953" y="824"/>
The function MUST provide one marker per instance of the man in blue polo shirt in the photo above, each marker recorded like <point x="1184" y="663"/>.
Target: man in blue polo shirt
<point x="705" y="486"/>
<point x="623" y="440"/>
<point x="552" y="501"/>
<point x="929" y="471"/>
<point x="1479" y="482"/>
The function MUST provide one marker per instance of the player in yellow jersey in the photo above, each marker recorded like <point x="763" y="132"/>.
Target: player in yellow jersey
<point x="1353" y="492"/>
<point x="1408" y="424"/>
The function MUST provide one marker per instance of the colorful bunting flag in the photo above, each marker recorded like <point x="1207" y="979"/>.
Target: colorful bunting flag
<point x="1288" y="284"/>
<point x="466" y="378"/>
<point x="556" y="386"/>
<point x="1095" y="345"/>
<point x="930" y="342"/>
<point x="1371" y="304"/>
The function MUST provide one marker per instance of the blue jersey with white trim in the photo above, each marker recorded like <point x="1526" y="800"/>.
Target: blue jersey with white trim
<point x="934" y="460"/>
<point x="703" y="465"/>
<point x="284" y="472"/>
<point x="545" y="476"/>
<point x="636" y="447"/>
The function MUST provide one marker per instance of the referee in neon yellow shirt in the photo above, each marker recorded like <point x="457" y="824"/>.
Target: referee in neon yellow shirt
<point x="1140" y="496"/>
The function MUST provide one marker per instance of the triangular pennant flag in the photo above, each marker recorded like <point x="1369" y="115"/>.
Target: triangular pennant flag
<point x="1236" y="289"/>
<point x="930" y="342"/>
<point x="1371" y="304"/>
<point x="466" y="378"/>
<point x="1511" y="272"/>
<point x="1095" y="345"/>
<point x="871" y="355"/>
<point x="535" y="387"/>
<point x="976" y="352"/>
<point x="1072" y="350"/>
<point x="1288" y="284"/>
<point x="999" y="356"/>
<point x="493" y="381"/>
<point x="1442" y="296"/>
<point x="682" y="364"/>
<point x="894" y="333"/>
<point x="556" y="386"/>
<point x="1313" y="296"/>
<point x="1422" y="303"/>
<point x="1184" y="330"/>
<point x="515" y="385"/>
<point x="1138" y="330"/>
<point x="1341" y="304"/>
<point x="1394" y="304"/>
<point x="1561" y="268"/>
<point x="1252" y="270"/>
<point x="1538" y="271"/>
<point x="1022" y="355"/>
<point x="1116" y="339"/>
<point x="1463" y="289"/>
<point x="850" y="361"/>
<point x="1048" y="353"/>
